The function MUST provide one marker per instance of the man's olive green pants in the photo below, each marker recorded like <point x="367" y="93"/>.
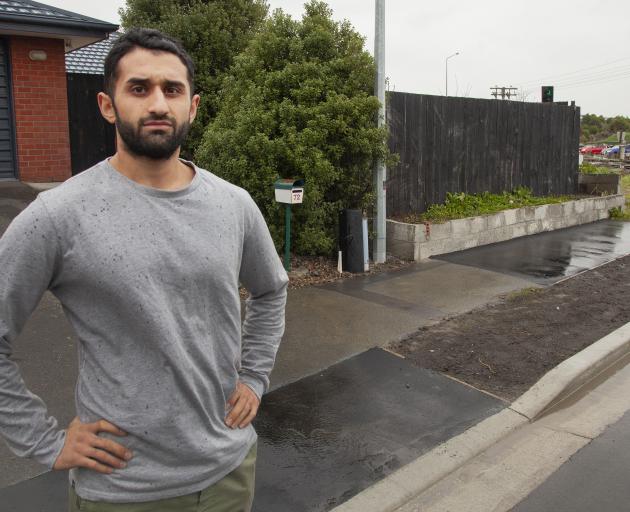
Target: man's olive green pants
<point x="234" y="493"/>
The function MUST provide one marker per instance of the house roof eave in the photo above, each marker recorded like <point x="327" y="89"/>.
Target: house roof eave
<point x="73" y="38"/>
<point x="66" y="27"/>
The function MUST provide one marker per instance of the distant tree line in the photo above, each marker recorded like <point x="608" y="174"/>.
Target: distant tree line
<point x="596" y="128"/>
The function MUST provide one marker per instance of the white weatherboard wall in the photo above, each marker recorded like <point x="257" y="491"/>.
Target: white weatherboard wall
<point x="419" y="241"/>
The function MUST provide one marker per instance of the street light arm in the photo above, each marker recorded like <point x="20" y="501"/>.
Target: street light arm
<point x="446" y="88"/>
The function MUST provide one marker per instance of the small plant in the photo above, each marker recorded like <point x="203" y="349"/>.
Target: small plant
<point x="523" y="294"/>
<point x="617" y="213"/>
<point x="588" y="168"/>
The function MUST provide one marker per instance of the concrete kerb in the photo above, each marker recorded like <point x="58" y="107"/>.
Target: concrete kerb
<point x="572" y="374"/>
<point x="565" y="379"/>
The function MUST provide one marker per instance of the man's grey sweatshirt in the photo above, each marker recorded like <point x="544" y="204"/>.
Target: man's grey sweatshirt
<point x="149" y="279"/>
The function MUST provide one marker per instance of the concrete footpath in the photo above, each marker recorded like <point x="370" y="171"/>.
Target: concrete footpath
<point x="328" y="323"/>
<point x="337" y="406"/>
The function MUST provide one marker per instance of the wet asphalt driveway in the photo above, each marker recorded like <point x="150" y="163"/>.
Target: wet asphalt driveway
<point x="327" y="437"/>
<point x="549" y="257"/>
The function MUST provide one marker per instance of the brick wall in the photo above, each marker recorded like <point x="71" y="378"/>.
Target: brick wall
<point x="41" y="110"/>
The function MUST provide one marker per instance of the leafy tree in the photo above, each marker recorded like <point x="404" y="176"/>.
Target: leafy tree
<point x="598" y="128"/>
<point x="299" y="103"/>
<point x="212" y="31"/>
<point x="619" y="124"/>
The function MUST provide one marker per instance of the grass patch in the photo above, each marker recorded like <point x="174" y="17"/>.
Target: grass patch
<point x="612" y="139"/>
<point x="523" y="294"/>
<point x="459" y="206"/>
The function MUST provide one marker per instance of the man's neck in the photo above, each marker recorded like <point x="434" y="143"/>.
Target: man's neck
<point x="169" y="174"/>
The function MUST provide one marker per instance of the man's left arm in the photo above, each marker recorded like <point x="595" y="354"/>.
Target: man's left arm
<point x="265" y="279"/>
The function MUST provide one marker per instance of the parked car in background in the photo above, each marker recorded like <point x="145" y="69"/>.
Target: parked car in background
<point x="592" y="150"/>
<point x="615" y="150"/>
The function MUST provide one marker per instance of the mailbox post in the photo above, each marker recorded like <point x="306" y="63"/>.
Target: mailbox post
<point x="288" y="191"/>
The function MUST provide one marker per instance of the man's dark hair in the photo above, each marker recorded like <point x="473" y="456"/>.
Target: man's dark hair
<point x="149" y="39"/>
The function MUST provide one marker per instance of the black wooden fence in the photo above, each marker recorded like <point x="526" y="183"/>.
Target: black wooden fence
<point x="91" y="137"/>
<point x="474" y="145"/>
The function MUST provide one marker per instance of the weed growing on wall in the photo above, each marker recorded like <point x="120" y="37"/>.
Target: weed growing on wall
<point x="461" y="205"/>
<point x="588" y="168"/>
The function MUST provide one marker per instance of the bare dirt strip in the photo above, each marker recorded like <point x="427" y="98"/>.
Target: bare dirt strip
<point x="506" y="347"/>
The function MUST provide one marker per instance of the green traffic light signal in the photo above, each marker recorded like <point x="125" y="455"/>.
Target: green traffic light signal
<point x="547" y="93"/>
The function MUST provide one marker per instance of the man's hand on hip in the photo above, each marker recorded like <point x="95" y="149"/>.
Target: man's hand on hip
<point x="243" y="406"/>
<point x="84" y="448"/>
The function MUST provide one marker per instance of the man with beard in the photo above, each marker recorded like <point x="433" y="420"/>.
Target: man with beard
<point x="146" y="252"/>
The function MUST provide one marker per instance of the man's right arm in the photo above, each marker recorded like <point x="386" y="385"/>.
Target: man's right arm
<point x="29" y="260"/>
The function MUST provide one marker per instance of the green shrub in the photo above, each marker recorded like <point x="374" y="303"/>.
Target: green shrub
<point x="299" y="103"/>
<point x="617" y="213"/>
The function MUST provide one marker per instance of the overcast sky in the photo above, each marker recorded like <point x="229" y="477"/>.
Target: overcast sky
<point x="580" y="47"/>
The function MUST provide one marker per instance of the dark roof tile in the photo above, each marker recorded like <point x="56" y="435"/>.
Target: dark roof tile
<point x="27" y="11"/>
<point x="89" y="59"/>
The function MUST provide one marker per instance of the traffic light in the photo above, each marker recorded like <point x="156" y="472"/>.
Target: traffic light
<point x="547" y="93"/>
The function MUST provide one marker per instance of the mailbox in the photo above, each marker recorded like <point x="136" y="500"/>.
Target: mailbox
<point x="289" y="191"/>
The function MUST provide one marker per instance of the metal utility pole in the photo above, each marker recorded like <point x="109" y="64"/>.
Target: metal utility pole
<point x="446" y="61"/>
<point x="380" y="171"/>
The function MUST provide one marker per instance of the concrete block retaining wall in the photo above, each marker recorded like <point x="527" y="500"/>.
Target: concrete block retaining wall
<point x="419" y="241"/>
